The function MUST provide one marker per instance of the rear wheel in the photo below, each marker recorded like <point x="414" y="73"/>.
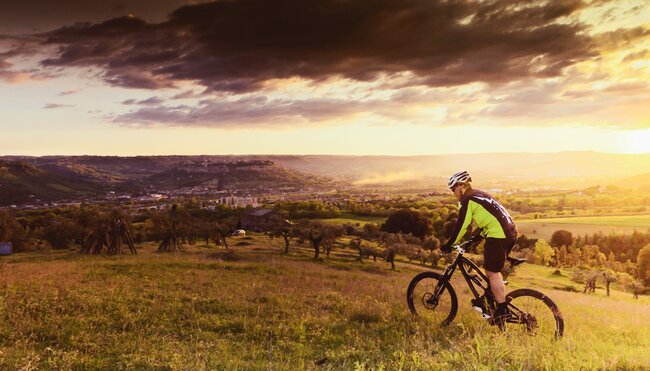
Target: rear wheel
<point x="535" y="314"/>
<point x="431" y="298"/>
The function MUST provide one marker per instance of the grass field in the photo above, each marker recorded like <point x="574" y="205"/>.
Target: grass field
<point x="347" y="218"/>
<point x="253" y="308"/>
<point x="544" y="228"/>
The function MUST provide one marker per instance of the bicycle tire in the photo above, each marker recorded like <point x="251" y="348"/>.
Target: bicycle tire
<point x="421" y="288"/>
<point x="523" y="302"/>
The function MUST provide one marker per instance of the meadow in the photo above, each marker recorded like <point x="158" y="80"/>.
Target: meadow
<point x="581" y="225"/>
<point x="251" y="307"/>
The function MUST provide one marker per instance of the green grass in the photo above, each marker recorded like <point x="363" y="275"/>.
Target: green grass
<point x="636" y="221"/>
<point x="348" y="218"/>
<point x="253" y="308"/>
<point x="544" y="228"/>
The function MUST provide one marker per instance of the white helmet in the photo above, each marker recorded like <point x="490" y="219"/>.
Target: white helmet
<point x="459" y="177"/>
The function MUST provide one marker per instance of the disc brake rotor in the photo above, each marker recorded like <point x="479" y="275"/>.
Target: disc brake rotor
<point x="429" y="301"/>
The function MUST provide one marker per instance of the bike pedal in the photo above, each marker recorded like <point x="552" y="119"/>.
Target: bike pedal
<point x="486" y="316"/>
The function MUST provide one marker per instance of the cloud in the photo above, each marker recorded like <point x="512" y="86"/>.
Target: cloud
<point x="69" y="92"/>
<point x="56" y="105"/>
<point x="620" y="38"/>
<point x="635" y="56"/>
<point x="238" y="45"/>
<point x="151" y="101"/>
<point x="247" y="111"/>
<point x="10" y="76"/>
<point x="622" y="105"/>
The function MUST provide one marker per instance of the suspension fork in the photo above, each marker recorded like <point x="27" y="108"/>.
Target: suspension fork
<point x="446" y="277"/>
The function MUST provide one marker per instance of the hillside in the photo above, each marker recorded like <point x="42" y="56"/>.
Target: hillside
<point x="238" y="175"/>
<point x="62" y="178"/>
<point x="72" y="176"/>
<point x="641" y="180"/>
<point x="24" y="183"/>
<point x="251" y="307"/>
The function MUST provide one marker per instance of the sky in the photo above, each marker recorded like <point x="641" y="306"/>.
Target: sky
<point x="354" y="77"/>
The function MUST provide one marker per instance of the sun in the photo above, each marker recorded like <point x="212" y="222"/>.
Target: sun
<point x="636" y="141"/>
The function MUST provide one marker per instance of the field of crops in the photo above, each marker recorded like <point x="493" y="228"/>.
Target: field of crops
<point x="250" y="307"/>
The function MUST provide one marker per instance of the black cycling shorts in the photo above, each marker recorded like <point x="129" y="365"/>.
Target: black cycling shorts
<point x="495" y="252"/>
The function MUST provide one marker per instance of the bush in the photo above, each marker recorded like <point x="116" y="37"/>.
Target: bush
<point x="408" y="222"/>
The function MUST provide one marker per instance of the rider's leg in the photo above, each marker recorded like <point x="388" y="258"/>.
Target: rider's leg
<point x="497" y="286"/>
<point x="494" y="254"/>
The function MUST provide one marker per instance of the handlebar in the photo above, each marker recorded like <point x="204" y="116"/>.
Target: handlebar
<point x="462" y="247"/>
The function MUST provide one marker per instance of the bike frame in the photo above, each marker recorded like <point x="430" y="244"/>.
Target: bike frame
<point x="466" y="268"/>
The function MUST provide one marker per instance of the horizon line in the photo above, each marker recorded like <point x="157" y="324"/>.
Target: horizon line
<point x="330" y="154"/>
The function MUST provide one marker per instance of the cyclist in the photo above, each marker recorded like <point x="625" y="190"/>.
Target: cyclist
<point x="494" y="224"/>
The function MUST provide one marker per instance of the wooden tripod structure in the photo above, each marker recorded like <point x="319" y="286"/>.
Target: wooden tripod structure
<point x="171" y="242"/>
<point x="110" y="235"/>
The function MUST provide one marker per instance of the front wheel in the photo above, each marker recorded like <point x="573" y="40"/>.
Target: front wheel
<point x="430" y="297"/>
<point x="535" y="314"/>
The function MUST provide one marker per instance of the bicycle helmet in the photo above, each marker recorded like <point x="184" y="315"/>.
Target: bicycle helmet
<point x="459" y="177"/>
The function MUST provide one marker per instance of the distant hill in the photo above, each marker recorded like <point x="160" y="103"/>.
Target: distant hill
<point x="25" y="180"/>
<point x="54" y="177"/>
<point x="238" y="175"/>
<point x="641" y="181"/>
<point x="22" y="183"/>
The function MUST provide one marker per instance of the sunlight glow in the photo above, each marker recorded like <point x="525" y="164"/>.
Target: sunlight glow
<point x="636" y="141"/>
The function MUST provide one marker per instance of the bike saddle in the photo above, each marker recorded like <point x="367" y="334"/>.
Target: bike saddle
<point x="515" y="261"/>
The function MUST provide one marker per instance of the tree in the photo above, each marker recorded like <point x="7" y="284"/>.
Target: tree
<point x="561" y="238"/>
<point x="332" y="232"/>
<point x="643" y="265"/>
<point x="590" y="284"/>
<point x="12" y="231"/>
<point x="562" y="255"/>
<point x="320" y="234"/>
<point x="61" y="232"/>
<point x="542" y="252"/>
<point x="371" y="231"/>
<point x="524" y="242"/>
<point x="398" y="243"/>
<point x="224" y="229"/>
<point x="355" y="243"/>
<point x="408" y="222"/>
<point x="431" y="243"/>
<point x="171" y="242"/>
<point x="282" y="229"/>
<point x="609" y="277"/>
<point x="638" y="288"/>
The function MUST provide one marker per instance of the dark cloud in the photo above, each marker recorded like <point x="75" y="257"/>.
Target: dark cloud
<point x="26" y="16"/>
<point x="238" y="45"/>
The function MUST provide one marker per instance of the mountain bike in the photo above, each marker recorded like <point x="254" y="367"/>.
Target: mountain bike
<point x="431" y="295"/>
